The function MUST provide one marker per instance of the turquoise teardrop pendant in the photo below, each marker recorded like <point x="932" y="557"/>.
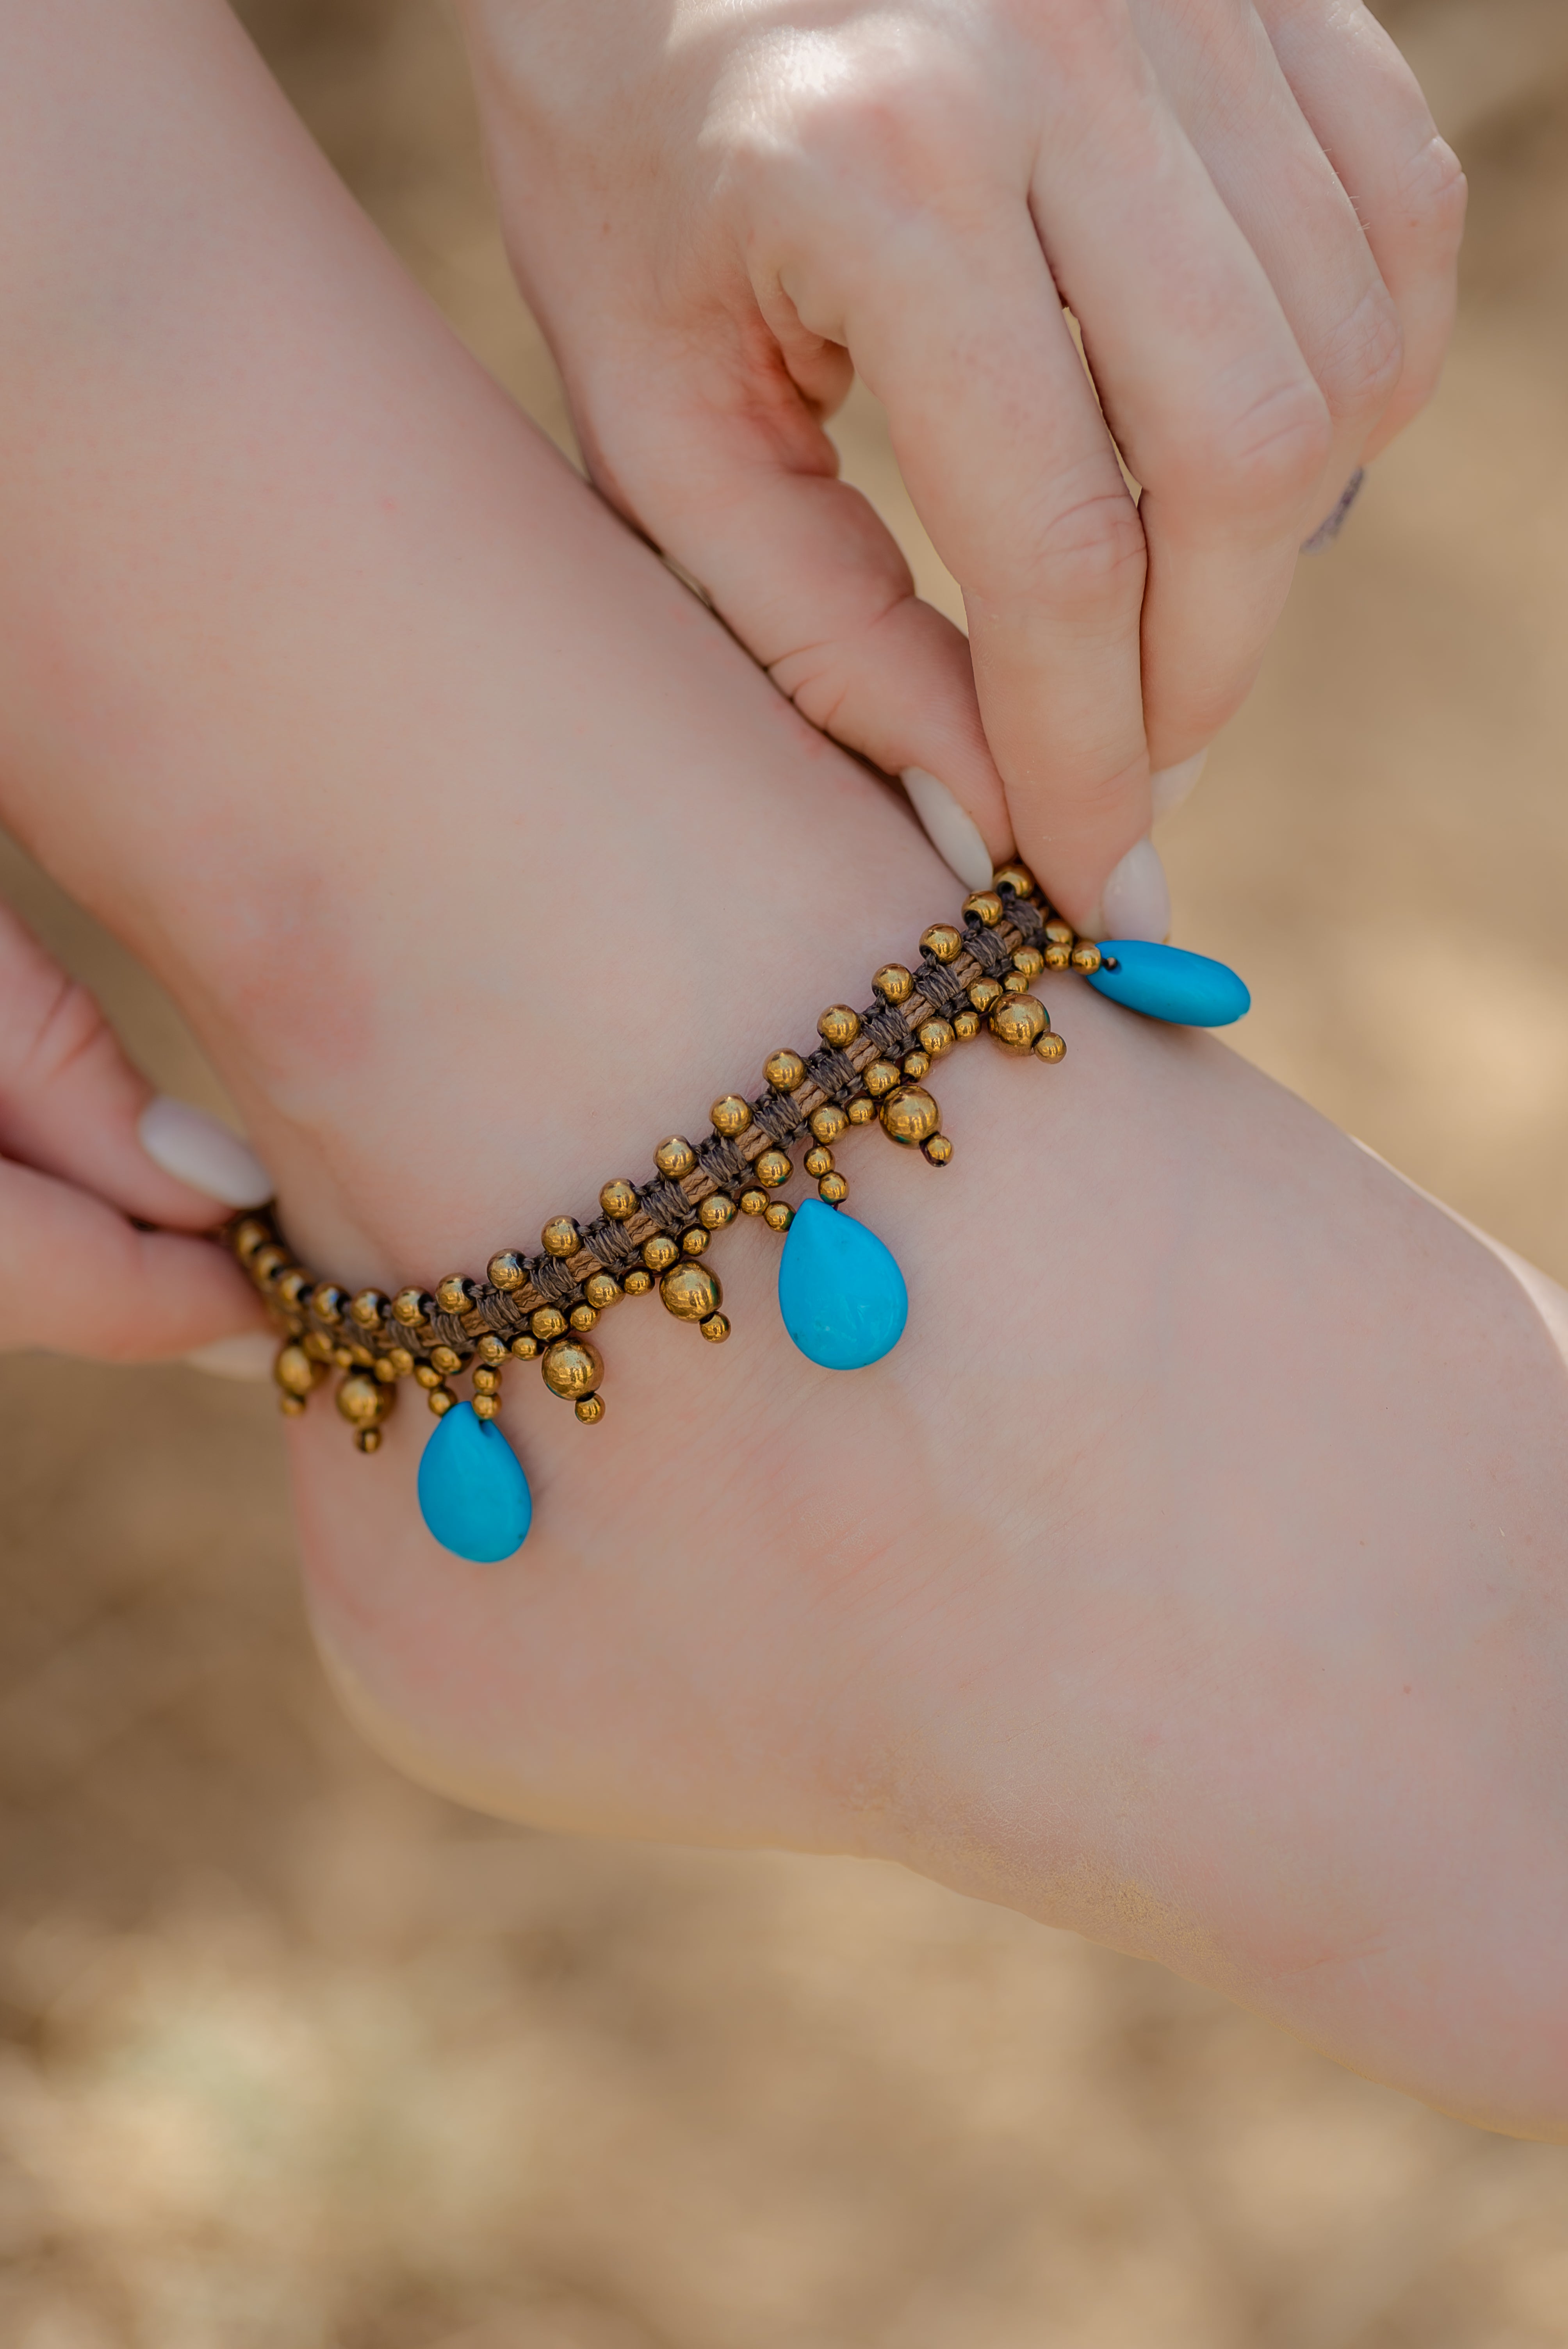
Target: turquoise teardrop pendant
<point x="840" y="1291"/>
<point x="1168" y="983"/>
<point x="473" y="1495"/>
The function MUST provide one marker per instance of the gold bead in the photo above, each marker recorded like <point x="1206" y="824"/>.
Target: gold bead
<point x="361" y="1356"/>
<point x="935" y="1037"/>
<point x="893" y="983"/>
<point x="1059" y="933"/>
<point x="367" y="1439"/>
<point x="268" y="1261"/>
<point x="910" y="1115"/>
<point x="589" y="1407"/>
<point x="440" y="1400"/>
<point x="1017" y="1021"/>
<point x="862" y="1110"/>
<point x="690" y="1291"/>
<point x="660" y="1251"/>
<point x="487" y="1406"/>
<point x="828" y="1123"/>
<point x="486" y="1380"/>
<point x="716" y="1328"/>
<point x="1086" y="957"/>
<point x="363" y="1401"/>
<point x="772" y="1168"/>
<point x="784" y="1071"/>
<point x="819" y="1160"/>
<point x="966" y="1026"/>
<point x="637" y="1282"/>
<point x="675" y="1157"/>
<point x="452" y="1294"/>
<point x="730" y="1116"/>
<point x="524" y="1348"/>
<point x="1014" y="877"/>
<point x="548" y="1322"/>
<point x="250" y="1235"/>
<point x="319" y="1348"/>
<point x="411" y="1304"/>
<point x="984" y="994"/>
<point x="571" y="1367"/>
<point x="295" y="1373"/>
<point x="838" y="1025"/>
<point x="752" y="1203"/>
<point x="695" y="1240"/>
<point x="491" y="1349"/>
<point x="291" y="1405"/>
<point x="915" y="1065"/>
<point x="367" y="1307"/>
<point x="294" y="1286"/>
<point x="619" y="1199"/>
<point x="506" y="1271"/>
<point x="833" y="1189"/>
<point x="582" y="1316"/>
<point x="780" y="1214"/>
<point x="942" y="942"/>
<point x="717" y="1211"/>
<point x="344" y="1357"/>
<point x="601" y="1289"/>
<point x="402" y="1362"/>
<point x="986" y="906"/>
<point x="1058" y="958"/>
<point x="1050" y="1046"/>
<point x="327" y="1302"/>
<point x="882" y="1077"/>
<point x="447" y="1359"/>
<point x="939" y="1150"/>
<point x="1030" y="960"/>
<point x="1015" y="983"/>
<point x="385" y="1369"/>
<point x="561" y="1236"/>
<point x="427" y="1376"/>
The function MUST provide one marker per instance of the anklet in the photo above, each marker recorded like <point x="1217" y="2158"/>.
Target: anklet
<point x="841" y="1292"/>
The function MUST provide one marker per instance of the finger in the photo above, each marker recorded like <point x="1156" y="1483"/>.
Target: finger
<point x="77" y="1278"/>
<point x="1365" y="108"/>
<point x="71" y="1104"/>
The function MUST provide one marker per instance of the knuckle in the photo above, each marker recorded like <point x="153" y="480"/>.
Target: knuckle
<point x="1270" y="456"/>
<point x="1361" y="365"/>
<point x="1435" y="193"/>
<point x="1089" y="558"/>
<point x="65" y="1026"/>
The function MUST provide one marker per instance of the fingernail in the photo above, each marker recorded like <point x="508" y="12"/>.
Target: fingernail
<point x="954" y="836"/>
<point x="247" y="1356"/>
<point x="195" y="1148"/>
<point x="1137" y="899"/>
<point x="1168" y="786"/>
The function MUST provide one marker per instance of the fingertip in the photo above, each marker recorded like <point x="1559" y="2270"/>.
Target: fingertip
<point x="197" y="1150"/>
<point x="1170" y="787"/>
<point x="249" y="1354"/>
<point x="951" y="832"/>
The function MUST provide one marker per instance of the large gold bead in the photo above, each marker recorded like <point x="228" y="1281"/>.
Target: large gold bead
<point x="1017" y="1021"/>
<point x="893" y="983"/>
<point x="915" y="1065"/>
<point x="660" y="1251"/>
<point x="589" y="1407"/>
<point x="984" y="994"/>
<point x="716" y="1328"/>
<point x="675" y="1157"/>
<point x="833" y="1190"/>
<point x="638" y="1281"/>
<point x="942" y="942"/>
<point x="910" y="1115"/>
<point x="1086" y="957"/>
<point x="966" y="1026"/>
<point x="582" y="1316"/>
<point x="819" y="1160"/>
<point x="695" y="1240"/>
<point x="717" y="1211"/>
<point x="772" y="1168"/>
<point x="447" y="1359"/>
<point x="838" y="1025"/>
<point x="779" y="1213"/>
<point x="619" y="1199"/>
<point x="784" y="1071"/>
<point x="938" y="1150"/>
<point x="327" y="1302"/>
<point x="753" y="1201"/>
<point x="690" y="1291"/>
<point x="1050" y="1046"/>
<point x="452" y="1294"/>
<point x="363" y="1401"/>
<point x="571" y="1367"/>
<point x="295" y="1373"/>
<point x="561" y="1236"/>
<point x="986" y="906"/>
<point x="862" y="1110"/>
<point x="1014" y="877"/>
<point x="506" y="1271"/>
<point x="410" y="1305"/>
<point x="601" y="1289"/>
<point x="731" y="1115"/>
<point x="548" y="1322"/>
<point x="828" y="1123"/>
<point x="1030" y="960"/>
<point x="367" y="1309"/>
<point x="935" y="1037"/>
<point x="882" y="1077"/>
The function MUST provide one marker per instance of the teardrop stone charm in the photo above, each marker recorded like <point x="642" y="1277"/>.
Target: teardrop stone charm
<point x="473" y="1495"/>
<point x="840" y="1291"/>
<point x="1168" y="983"/>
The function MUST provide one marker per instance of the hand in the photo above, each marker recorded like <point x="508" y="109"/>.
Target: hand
<point x="719" y="215"/>
<point x="86" y="1148"/>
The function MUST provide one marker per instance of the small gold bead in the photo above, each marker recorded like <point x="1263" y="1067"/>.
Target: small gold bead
<point x="327" y="1302"/>
<point x="695" y="1240"/>
<point x="838" y="1025"/>
<point x="447" y="1359"/>
<point x="363" y="1401"/>
<point x="893" y="983"/>
<point x="819" y="1160"/>
<point x="524" y="1348"/>
<point x="589" y="1407"/>
<point x="452" y="1294"/>
<point x="1015" y="983"/>
<point x="582" y="1316"/>
<point x="717" y="1211"/>
<point x="295" y="1373"/>
<point x="1059" y="933"/>
<point x="367" y="1307"/>
<point x="486" y="1380"/>
<point x="833" y="1189"/>
<point x="561" y="1236"/>
<point x="862" y="1110"/>
<point x="491" y="1349"/>
<point x="675" y="1157"/>
<point x="571" y="1367"/>
<point x="784" y="1071"/>
<point x="440" y="1400"/>
<point x="1017" y="1021"/>
<point x="344" y="1357"/>
<point x="828" y="1123"/>
<point x="1086" y="957"/>
<point x="1050" y="1046"/>
<point x="660" y="1251"/>
<point x="986" y="906"/>
<point x="385" y="1369"/>
<point x="942" y="942"/>
<point x="250" y="1235"/>
<point x="506" y="1271"/>
<point x="752" y="1203"/>
<point x="294" y="1286"/>
<point x="601" y="1289"/>
<point x="882" y="1077"/>
<point x="915" y="1065"/>
<point x="780" y="1214"/>
<point x="361" y="1356"/>
<point x="772" y="1168"/>
<point x="411" y="1304"/>
<point x="291" y="1405"/>
<point x="984" y="994"/>
<point x="367" y="1439"/>
<point x="402" y="1362"/>
<point x="935" y="1037"/>
<point x="548" y="1322"/>
<point x="427" y="1376"/>
<point x="939" y="1150"/>
<point x="910" y="1115"/>
<point x="1030" y="960"/>
<point x="637" y="1282"/>
<point x="716" y="1328"/>
<point x="690" y="1290"/>
<point x="269" y="1261"/>
<point x="1058" y="958"/>
<point x="319" y="1348"/>
<point x="1014" y="877"/>
<point x="966" y="1026"/>
<point x="487" y="1406"/>
<point x="619" y="1199"/>
<point x="730" y="1116"/>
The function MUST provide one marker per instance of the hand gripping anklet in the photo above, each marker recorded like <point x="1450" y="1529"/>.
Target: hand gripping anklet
<point x="841" y="1292"/>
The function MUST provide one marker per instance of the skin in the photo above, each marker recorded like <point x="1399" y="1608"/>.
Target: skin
<point x="1193" y="1573"/>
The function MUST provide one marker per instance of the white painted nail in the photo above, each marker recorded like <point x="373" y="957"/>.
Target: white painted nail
<point x="1137" y="900"/>
<point x="247" y="1356"/>
<point x="1169" y="786"/>
<point x="195" y="1148"/>
<point x="954" y="836"/>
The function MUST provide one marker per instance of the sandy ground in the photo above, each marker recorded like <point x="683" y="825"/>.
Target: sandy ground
<point x="297" y="2057"/>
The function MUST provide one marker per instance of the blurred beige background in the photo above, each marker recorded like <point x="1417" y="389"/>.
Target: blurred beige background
<point x="296" y="2057"/>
